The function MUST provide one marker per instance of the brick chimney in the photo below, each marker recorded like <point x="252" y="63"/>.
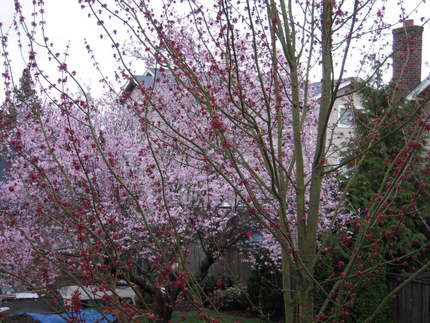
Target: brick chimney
<point x="407" y="53"/>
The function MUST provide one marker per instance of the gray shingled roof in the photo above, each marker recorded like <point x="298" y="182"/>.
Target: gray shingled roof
<point x="149" y="79"/>
<point x="316" y="87"/>
<point x="3" y="168"/>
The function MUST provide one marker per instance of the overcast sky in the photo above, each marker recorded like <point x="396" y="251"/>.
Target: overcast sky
<point x="67" y="23"/>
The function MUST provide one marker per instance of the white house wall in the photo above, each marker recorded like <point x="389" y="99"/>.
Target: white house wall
<point x="338" y="134"/>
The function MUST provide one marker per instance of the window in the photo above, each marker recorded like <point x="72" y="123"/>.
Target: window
<point x="346" y="116"/>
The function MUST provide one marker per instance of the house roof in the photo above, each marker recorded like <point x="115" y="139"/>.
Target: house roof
<point x="316" y="87"/>
<point x="148" y="79"/>
<point x="421" y="92"/>
<point x="3" y="168"/>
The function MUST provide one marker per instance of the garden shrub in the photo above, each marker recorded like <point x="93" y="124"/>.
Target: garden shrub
<point x="369" y="288"/>
<point x="212" y="289"/>
<point x="214" y="282"/>
<point x="370" y="292"/>
<point x="323" y="272"/>
<point x="265" y="287"/>
<point x="232" y="297"/>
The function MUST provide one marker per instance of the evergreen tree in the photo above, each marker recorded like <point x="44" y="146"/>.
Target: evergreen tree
<point x="24" y="97"/>
<point x="382" y="129"/>
<point x="25" y="90"/>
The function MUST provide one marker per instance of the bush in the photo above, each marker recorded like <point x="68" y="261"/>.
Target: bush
<point x="371" y="292"/>
<point x="323" y="273"/>
<point x="265" y="287"/>
<point x="214" y="282"/>
<point x="213" y="287"/>
<point x="369" y="289"/>
<point x="230" y="298"/>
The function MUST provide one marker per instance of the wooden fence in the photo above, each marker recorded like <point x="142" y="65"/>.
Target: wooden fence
<point x="232" y="265"/>
<point x="412" y="303"/>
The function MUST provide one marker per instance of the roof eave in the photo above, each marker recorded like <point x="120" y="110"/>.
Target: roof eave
<point x="415" y="93"/>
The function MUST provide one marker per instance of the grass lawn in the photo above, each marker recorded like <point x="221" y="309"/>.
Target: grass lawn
<point x="192" y="317"/>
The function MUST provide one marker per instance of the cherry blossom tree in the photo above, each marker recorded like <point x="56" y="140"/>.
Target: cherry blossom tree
<point x="103" y="211"/>
<point x="118" y="187"/>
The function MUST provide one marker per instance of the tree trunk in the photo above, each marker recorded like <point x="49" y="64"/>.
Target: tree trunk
<point x="289" y="307"/>
<point x="162" y="306"/>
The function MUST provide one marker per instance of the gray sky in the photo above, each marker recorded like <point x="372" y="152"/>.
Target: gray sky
<point x="67" y="23"/>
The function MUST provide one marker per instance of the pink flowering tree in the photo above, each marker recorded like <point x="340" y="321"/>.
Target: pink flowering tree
<point x="119" y="187"/>
<point x="92" y="196"/>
